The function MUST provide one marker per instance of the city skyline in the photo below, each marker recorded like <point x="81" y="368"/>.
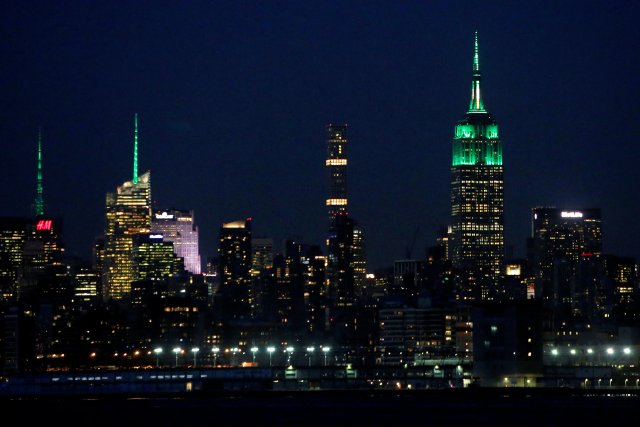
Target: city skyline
<point x="288" y="168"/>
<point x="277" y="154"/>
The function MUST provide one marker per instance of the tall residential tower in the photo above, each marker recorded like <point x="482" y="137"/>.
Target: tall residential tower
<point x="234" y="257"/>
<point x="345" y="271"/>
<point x="337" y="167"/>
<point x="477" y="199"/>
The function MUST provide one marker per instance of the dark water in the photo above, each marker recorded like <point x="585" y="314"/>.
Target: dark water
<point x="326" y="410"/>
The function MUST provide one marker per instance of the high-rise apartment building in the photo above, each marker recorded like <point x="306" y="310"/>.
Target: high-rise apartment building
<point x="359" y="259"/>
<point x="154" y="258"/>
<point x="234" y="256"/>
<point x="128" y="213"/>
<point x="86" y="285"/>
<point x="178" y="227"/>
<point x="622" y="278"/>
<point x="477" y="199"/>
<point x="13" y="236"/>
<point x="261" y="255"/>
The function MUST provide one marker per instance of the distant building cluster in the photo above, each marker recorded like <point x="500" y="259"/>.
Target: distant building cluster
<point x="146" y="299"/>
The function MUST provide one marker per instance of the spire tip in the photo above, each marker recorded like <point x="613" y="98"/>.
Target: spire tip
<point x="135" y="148"/>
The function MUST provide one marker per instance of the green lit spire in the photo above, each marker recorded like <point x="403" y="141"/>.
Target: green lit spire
<point x="135" y="149"/>
<point x="38" y="204"/>
<point x="476" y="104"/>
<point x="476" y="58"/>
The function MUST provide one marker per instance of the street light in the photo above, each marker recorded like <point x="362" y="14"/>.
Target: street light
<point x="289" y="351"/>
<point x="326" y="351"/>
<point x="310" y="353"/>
<point x="157" y="351"/>
<point x="177" y="351"/>
<point x="254" y="350"/>
<point x="270" y="350"/>
<point x="215" y="351"/>
<point x="195" y="351"/>
<point x="234" y="350"/>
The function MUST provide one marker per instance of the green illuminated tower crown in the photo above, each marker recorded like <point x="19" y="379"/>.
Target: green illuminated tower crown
<point x="476" y="139"/>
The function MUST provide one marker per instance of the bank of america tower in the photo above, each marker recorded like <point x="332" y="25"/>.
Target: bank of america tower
<point x="477" y="199"/>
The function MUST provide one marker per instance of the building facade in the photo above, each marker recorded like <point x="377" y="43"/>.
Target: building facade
<point x="154" y="258"/>
<point x="178" y="227"/>
<point x="566" y="255"/>
<point x="235" y="262"/>
<point x="13" y="236"/>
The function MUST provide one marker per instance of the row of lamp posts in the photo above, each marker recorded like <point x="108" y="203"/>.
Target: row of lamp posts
<point x="216" y="350"/>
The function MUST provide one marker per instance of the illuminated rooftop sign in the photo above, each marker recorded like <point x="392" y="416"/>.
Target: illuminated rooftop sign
<point x="164" y="215"/>
<point x="156" y="236"/>
<point x="571" y="214"/>
<point x="43" y="224"/>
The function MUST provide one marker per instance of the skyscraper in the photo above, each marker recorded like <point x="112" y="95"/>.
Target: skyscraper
<point x="177" y="226"/>
<point x="154" y="258"/>
<point x="128" y="213"/>
<point x="346" y="264"/>
<point x="359" y="259"/>
<point x="337" y="169"/>
<point x="234" y="254"/>
<point x="13" y="236"/>
<point x="43" y="249"/>
<point x="477" y="199"/>
<point x="262" y="255"/>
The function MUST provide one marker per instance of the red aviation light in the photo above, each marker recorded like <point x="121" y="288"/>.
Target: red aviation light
<point x="43" y="224"/>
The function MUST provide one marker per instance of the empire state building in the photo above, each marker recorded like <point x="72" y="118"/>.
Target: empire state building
<point x="477" y="199"/>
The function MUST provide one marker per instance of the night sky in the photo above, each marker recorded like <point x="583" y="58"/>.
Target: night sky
<point x="233" y="98"/>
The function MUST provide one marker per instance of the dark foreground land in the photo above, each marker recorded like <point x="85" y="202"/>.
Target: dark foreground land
<point x="334" y="408"/>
